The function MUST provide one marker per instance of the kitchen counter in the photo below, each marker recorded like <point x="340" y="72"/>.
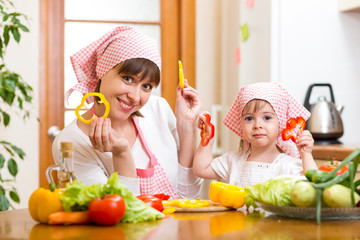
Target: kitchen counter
<point x="333" y="151"/>
<point x="17" y="224"/>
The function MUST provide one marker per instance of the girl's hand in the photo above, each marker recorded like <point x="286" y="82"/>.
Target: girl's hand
<point x="305" y="142"/>
<point x="106" y="139"/>
<point x="187" y="103"/>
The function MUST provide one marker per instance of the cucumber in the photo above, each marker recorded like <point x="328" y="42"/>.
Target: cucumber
<point x="303" y="194"/>
<point x="339" y="196"/>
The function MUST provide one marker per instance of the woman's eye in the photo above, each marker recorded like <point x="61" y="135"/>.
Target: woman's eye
<point x="127" y="79"/>
<point x="147" y="86"/>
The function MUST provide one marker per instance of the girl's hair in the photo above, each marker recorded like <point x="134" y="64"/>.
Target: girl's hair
<point x="135" y="66"/>
<point x="252" y="107"/>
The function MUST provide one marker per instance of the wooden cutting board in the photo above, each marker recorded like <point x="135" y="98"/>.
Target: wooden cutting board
<point x="214" y="207"/>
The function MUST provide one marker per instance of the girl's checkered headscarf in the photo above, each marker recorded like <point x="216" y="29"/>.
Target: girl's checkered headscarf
<point x="284" y="105"/>
<point x="118" y="45"/>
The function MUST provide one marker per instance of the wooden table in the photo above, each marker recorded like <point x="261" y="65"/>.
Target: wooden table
<point x="17" y="224"/>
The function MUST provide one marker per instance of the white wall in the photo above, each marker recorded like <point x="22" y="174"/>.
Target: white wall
<point x="318" y="44"/>
<point x="23" y="58"/>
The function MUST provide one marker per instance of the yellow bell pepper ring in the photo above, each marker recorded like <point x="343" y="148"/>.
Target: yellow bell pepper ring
<point x="102" y="100"/>
<point x="226" y="194"/>
<point x="43" y="202"/>
<point x="181" y="75"/>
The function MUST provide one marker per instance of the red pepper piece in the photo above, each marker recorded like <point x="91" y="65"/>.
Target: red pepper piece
<point x="152" y="201"/>
<point x="293" y="126"/>
<point x="162" y="196"/>
<point x="204" y="138"/>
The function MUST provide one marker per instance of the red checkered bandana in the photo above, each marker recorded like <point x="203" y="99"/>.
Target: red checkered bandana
<point x="284" y="105"/>
<point x="120" y="44"/>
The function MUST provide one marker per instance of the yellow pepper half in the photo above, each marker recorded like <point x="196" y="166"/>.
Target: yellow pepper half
<point x="43" y="202"/>
<point x="102" y="100"/>
<point x="226" y="194"/>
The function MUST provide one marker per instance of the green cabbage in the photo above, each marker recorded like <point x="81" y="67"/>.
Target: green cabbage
<point x="275" y="191"/>
<point x="77" y="197"/>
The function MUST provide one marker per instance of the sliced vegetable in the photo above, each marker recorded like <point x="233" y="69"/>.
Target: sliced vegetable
<point x="331" y="165"/>
<point x="227" y="194"/>
<point x="66" y="218"/>
<point x="204" y="138"/>
<point x="43" y="202"/>
<point x="187" y="203"/>
<point x="181" y="75"/>
<point x="152" y="201"/>
<point x="162" y="196"/>
<point x="293" y="126"/>
<point x="107" y="210"/>
<point x="103" y="100"/>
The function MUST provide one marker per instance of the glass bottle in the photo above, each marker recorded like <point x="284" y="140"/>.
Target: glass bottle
<point x="64" y="168"/>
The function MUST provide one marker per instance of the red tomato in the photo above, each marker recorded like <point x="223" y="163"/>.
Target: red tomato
<point x="152" y="201"/>
<point x="107" y="210"/>
<point x="329" y="166"/>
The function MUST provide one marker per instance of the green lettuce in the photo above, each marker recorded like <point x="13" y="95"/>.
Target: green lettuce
<point x="77" y="197"/>
<point x="275" y="191"/>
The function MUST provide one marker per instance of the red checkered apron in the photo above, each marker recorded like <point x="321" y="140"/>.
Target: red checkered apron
<point x="153" y="180"/>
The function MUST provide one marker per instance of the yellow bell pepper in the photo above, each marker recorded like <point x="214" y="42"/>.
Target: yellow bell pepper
<point x="226" y="194"/>
<point x="43" y="202"/>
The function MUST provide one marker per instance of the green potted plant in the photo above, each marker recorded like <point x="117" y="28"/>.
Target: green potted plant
<point x="14" y="94"/>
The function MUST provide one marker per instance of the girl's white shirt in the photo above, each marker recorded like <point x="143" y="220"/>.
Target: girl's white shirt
<point x="159" y="128"/>
<point x="233" y="168"/>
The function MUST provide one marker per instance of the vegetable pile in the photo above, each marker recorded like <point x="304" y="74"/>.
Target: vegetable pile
<point x="333" y="185"/>
<point x="104" y="204"/>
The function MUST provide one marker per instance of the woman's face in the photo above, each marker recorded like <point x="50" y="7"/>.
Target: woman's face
<point x="125" y="93"/>
<point x="260" y="127"/>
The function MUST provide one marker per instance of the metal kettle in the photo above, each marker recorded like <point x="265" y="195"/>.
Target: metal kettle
<point x="325" y="122"/>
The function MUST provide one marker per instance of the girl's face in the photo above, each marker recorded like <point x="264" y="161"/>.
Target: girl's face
<point x="125" y="93"/>
<point x="260" y="124"/>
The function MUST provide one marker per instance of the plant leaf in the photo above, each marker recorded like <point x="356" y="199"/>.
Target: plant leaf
<point x="19" y="151"/>
<point x="4" y="202"/>
<point x="16" y="34"/>
<point x="6" y="118"/>
<point x="14" y="196"/>
<point x="12" y="167"/>
<point x="2" y="161"/>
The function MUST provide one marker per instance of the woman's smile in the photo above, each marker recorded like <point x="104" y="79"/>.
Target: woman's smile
<point x="126" y="105"/>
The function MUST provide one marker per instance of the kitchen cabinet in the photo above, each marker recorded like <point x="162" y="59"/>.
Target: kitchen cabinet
<point x="349" y="5"/>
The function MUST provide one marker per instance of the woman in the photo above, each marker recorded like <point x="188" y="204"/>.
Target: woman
<point x="141" y="140"/>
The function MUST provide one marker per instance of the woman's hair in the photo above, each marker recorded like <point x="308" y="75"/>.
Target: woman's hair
<point x="136" y="66"/>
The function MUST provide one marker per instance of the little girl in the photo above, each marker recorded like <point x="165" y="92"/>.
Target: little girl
<point x="258" y="115"/>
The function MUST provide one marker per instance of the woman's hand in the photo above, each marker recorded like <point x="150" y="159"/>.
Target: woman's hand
<point x="187" y="103"/>
<point x="106" y="139"/>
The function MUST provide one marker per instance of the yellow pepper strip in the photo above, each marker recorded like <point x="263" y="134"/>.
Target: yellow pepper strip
<point x="169" y="210"/>
<point x="226" y="194"/>
<point x="187" y="203"/>
<point x="181" y="75"/>
<point x="102" y="100"/>
<point x="43" y="202"/>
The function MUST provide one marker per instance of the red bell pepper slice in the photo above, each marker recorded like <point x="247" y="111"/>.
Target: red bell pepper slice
<point x="152" y="201"/>
<point x="204" y="138"/>
<point x="293" y="126"/>
<point x="162" y="196"/>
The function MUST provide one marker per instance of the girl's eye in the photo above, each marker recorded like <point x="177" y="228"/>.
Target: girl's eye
<point x="248" y="118"/>
<point x="268" y="117"/>
<point x="127" y="79"/>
